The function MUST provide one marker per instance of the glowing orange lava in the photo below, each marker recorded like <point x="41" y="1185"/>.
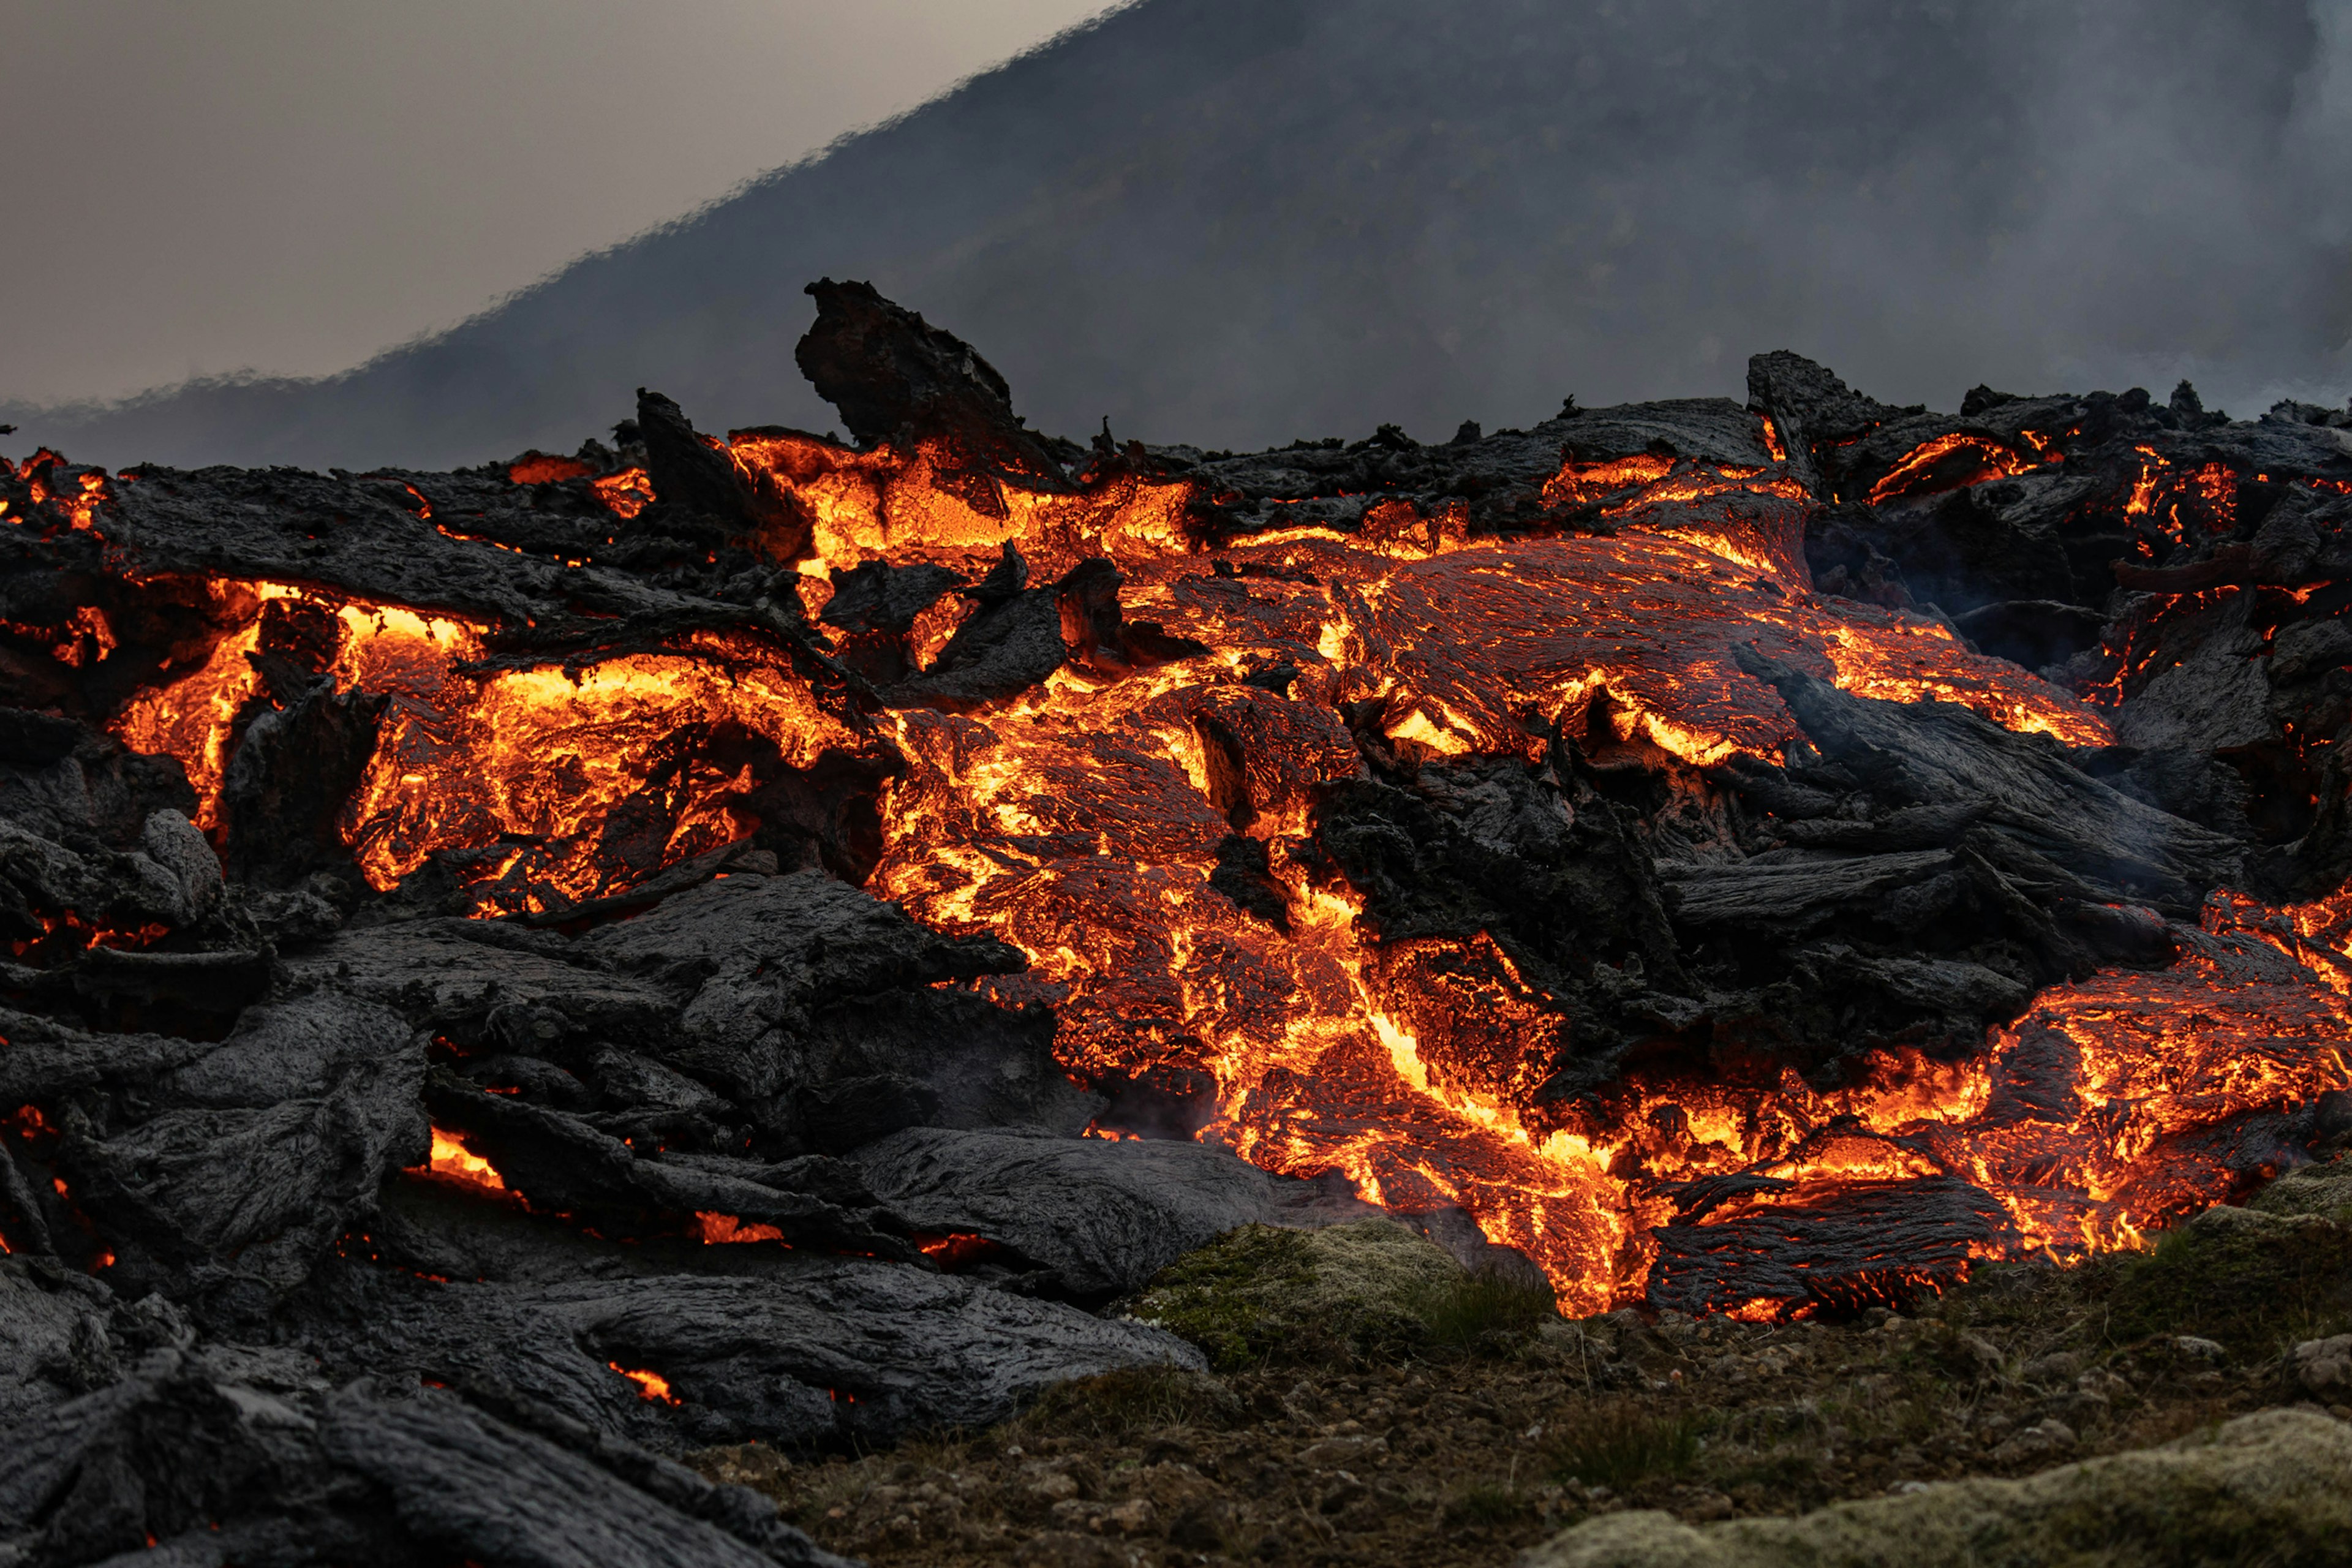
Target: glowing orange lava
<point x="624" y="494"/>
<point x="538" y="469"/>
<point x="458" y="1164"/>
<point x="1948" y="463"/>
<point x="1081" y="820"/>
<point x="725" y="1230"/>
<point x="651" y="1385"/>
<point x="79" y="496"/>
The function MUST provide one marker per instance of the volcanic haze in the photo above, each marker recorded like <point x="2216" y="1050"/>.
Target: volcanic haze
<point x="1246" y="220"/>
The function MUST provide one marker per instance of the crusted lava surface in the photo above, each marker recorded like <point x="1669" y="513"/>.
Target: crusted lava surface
<point x="518" y="974"/>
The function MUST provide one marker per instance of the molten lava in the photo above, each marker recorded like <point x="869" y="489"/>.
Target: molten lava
<point x="1947" y="463"/>
<point x="725" y="1229"/>
<point x="651" y="1385"/>
<point x="1082" y="821"/>
<point x="452" y="1159"/>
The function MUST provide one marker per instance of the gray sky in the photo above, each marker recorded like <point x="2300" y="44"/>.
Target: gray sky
<point x="290" y="185"/>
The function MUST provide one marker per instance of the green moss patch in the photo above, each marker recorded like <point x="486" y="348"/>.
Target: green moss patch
<point x="2323" y="1190"/>
<point x="1364" y="1292"/>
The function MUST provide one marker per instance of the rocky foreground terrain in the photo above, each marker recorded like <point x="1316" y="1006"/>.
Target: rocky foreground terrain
<point x="2187" y="1406"/>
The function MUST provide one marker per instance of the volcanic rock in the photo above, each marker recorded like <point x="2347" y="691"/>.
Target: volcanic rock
<point x="158" y="882"/>
<point x="1810" y="407"/>
<point x="800" y="1352"/>
<point x="364" y="534"/>
<point x="893" y="375"/>
<point x="220" y="1173"/>
<point x="1940" y="754"/>
<point x="196" y="1459"/>
<point x="61" y="781"/>
<point x="295" y="767"/>
<point x="1553" y="875"/>
<point x="1094" y="1218"/>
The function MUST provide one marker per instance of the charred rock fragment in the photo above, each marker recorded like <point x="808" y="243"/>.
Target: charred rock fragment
<point x="693" y="478"/>
<point x="1084" y="1218"/>
<point x="1013" y="641"/>
<point x="295" y="766"/>
<point x="561" y="1161"/>
<point x="894" y="376"/>
<point x="1869" y="1243"/>
<point x="1244" y="873"/>
<point x="1810" y="407"/>
<point x="1506" y="850"/>
<point x="876" y="606"/>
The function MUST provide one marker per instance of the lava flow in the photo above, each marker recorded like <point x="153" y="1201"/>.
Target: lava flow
<point x="1211" y="815"/>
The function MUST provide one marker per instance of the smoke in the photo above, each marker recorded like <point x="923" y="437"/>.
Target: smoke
<point x="1237" y="221"/>
<point x="2204" y="244"/>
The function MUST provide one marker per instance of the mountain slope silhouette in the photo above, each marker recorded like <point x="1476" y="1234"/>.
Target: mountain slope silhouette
<point x="1237" y="221"/>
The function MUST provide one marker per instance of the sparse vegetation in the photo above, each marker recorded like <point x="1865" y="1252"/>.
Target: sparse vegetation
<point x="1620" y="1443"/>
<point x="1481" y="1310"/>
<point x="1131" y="1400"/>
<point x="1486" y="1504"/>
<point x="2250" y="1280"/>
<point x="2273" y="1489"/>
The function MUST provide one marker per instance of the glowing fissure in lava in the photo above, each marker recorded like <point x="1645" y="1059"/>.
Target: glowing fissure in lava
<point x="1630" y="486"/>
<point x="83" y="639"/>
<point x="190" y="719"/>
<point x="453" y="1161"/>
<point x="651" y="1385"/>
<point x="726" y="1230"/>
<point x="1950" y="463"/>
<point x="2184" y="508"/>
<point x="69" y="931"/>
